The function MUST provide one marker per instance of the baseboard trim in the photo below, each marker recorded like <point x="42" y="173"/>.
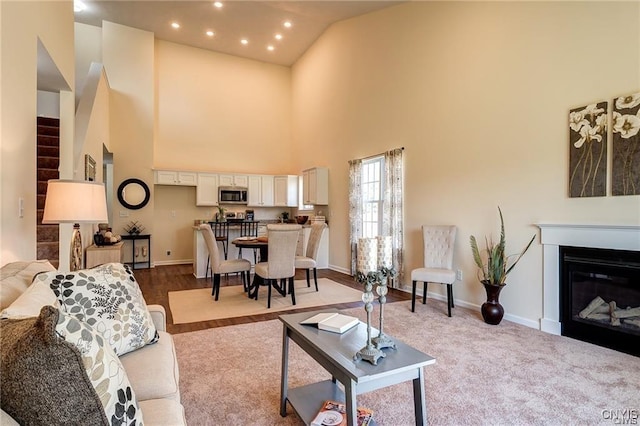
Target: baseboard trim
<point x="173" y="262"/>
<point x="340" y="269"/>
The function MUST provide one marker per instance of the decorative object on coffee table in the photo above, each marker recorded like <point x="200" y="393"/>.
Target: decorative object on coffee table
<point x="495" y="265"/>
<point x="368" y="275"/>
<point x="385" y="271"/>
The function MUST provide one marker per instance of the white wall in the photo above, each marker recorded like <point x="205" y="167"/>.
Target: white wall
<point x="478" y="93"/>
<point x="23" y="23"/>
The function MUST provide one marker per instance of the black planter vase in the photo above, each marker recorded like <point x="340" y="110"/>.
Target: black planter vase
<point x="492" y="310"/>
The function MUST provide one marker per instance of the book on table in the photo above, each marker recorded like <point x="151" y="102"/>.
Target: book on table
<point x="332" y="321"/>
<point x="333" y="413"/>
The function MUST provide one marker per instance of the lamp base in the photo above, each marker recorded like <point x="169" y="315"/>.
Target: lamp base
<point x="383" y="341"/>
<point x="75" y="253"/>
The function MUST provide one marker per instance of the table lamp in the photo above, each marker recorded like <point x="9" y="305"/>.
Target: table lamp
<point x="76" y="202"/>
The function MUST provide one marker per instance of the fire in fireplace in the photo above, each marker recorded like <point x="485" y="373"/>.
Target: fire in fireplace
<point x="600" y="297"/>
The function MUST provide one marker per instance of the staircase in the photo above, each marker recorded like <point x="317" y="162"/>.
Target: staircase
<point x="48" y="154"/>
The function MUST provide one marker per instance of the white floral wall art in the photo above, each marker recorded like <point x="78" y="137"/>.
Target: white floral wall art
<point x="588" y="150"/>
<point x="625" y="167"/>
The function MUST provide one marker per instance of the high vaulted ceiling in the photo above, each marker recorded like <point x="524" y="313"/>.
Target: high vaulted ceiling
<point x="256" y="21"/>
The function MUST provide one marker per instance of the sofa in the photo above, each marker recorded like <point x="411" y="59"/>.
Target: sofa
<point x="152" y="370"/>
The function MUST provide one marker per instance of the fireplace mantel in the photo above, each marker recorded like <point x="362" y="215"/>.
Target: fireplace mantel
<point x="554" y="235"/>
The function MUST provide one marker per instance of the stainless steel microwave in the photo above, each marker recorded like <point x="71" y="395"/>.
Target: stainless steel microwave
<point x="232" y="195"/>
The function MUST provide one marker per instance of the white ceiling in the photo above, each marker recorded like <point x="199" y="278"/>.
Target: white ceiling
<point x="258" y="21"/>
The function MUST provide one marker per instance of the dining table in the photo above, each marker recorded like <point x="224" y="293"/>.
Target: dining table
<point x="262" y="244"/>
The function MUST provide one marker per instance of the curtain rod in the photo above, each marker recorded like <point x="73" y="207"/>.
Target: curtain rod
<point x="375" y="155"/>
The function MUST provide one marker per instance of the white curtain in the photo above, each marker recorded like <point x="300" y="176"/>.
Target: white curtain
<point x="355" y="209"/>
<point x="392" y="205"/>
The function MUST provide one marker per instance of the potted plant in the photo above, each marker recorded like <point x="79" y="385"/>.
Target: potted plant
<point x="494" y="267"/>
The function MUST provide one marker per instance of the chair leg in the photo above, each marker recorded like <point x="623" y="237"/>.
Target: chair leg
<point x="413" y="297"/>
<point x="239" y="252"/>
<point x="216" y="286"/>
<point x="451" y="290"/>
<point x="270" y="283"/>
<point x="424" y="293"/>
<point x="449" y="298"/>
<point x="206" y="272"/>
<point x="292" y="290"/>
<point x="308" y="282"/>
<point x="255" y="256"/>
<point x="225" y="248"/>
<point x="315" y="277"/>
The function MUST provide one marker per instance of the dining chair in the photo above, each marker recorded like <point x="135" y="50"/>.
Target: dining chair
<point x="308" y="261"/>
<point x="438" y="242"/>
<point x="221" y="233"/>
<point x="249" y="229"/>
<point x="220" y="266"/>
<point x="280" y="267"/>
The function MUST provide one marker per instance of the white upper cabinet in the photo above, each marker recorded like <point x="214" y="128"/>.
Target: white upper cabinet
<point x="260" y="191"/>
<point x="285" y="191"/>
<point x="207" y="190"/>
<point x="234" y="180"/>
<point x="315" y="186"/>
<point x="171" y="177"/>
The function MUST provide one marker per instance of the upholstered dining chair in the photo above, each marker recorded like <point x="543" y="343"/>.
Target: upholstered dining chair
<point x="280" y="269"/>
<point x="219" y="266"/>
<point x="438" y="242"/>
<point x="308" y="262"/>
<point x="221" y="233"/>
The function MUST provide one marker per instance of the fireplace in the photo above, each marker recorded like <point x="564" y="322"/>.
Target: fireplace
<point x="600" y="296"/>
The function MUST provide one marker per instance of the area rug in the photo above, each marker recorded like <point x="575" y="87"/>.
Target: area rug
<point x="198" y="305"/>
<point x="507" y="374"/>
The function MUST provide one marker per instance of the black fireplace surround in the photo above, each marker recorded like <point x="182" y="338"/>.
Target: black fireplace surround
<point x="593" y="284"/>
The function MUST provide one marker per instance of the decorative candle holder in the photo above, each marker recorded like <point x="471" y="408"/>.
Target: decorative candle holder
<point x="383" y="341"/>
<point x="369" y="352"/>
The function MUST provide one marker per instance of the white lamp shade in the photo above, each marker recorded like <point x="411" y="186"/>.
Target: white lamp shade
<point x="367" y="260"/>
<point x="71" y="201"/>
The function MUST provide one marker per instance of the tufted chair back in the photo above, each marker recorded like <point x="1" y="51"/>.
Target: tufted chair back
<point x="212" y="246"/>
<point x="282" y="250"/>
<point x="314" y="239"/>
<point x="438" y="246"/>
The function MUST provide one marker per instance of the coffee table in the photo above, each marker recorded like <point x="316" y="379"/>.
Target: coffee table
<point x="334" y="352"/>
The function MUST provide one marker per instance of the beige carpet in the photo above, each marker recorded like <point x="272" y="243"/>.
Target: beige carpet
<point x="198" y="305"/>
<point x="484" y="375"/>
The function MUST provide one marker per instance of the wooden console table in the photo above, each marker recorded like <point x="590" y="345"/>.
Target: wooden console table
<point x="133" y="239"/>
<point x="97" y="255"/>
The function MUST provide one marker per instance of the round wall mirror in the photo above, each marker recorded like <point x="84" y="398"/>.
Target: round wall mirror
<point x="133" y="194"/>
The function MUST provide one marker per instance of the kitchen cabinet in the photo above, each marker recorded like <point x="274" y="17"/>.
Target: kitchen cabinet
<point x="285" y="191"/>
<point x="260" y="191"/>
<point x="207" y="190"/>
<point x="234" y="180"/>
<point x="315" y="186"/>
<point x="171" y="177"/>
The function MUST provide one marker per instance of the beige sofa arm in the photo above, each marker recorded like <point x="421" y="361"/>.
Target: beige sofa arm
<point x="159" y="317"/>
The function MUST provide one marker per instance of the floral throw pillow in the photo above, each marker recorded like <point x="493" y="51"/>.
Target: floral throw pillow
<point x="104" y="370"/>
<point x="109" y="299"/>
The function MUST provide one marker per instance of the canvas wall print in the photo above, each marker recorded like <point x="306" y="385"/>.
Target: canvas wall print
<point x="588" y="150"/>
<point x="625" y="167"/>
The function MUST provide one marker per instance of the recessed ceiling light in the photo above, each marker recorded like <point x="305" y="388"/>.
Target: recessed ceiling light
<point x="78" y="6"/>
<point x="210" y="33"/>
<point x="175" y="25"/>
<point x="271" y="48"/>
<point x="287" y="24"/>
<point x="278" y="36"/>
<point x="244" y="41"/>
<point x="217" y="4"/>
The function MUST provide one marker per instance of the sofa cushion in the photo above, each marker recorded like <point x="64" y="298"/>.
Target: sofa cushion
<point x="109" y="299"/>
<point x="46" y="379"/>
<point x="153" y="370"/>
<point x="29" y="303"/>
<point x="15" y="277"/>
<point x="163" y="412"/>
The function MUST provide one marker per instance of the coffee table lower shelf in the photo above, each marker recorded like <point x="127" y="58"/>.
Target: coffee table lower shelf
<point x="307" y="400"/>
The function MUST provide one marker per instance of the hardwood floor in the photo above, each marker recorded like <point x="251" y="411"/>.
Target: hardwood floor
<point x="155" y="284"/>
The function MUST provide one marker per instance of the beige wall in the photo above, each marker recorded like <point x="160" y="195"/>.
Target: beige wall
<point x="222" y="113"/>
<point x="23" y="23"/>
<point x="478" y="94"/>
<point x="128" y="57"/>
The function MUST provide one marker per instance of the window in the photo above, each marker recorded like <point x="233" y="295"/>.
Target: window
<point x="372" y="190"/>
